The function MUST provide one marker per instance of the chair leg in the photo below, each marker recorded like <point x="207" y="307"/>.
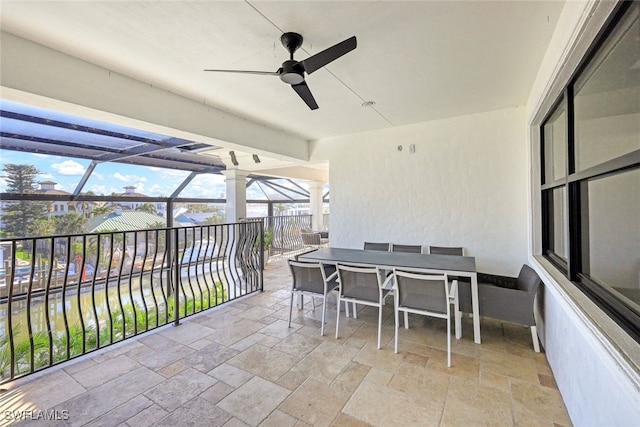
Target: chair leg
<point x="406" y="320"/>
<point x="300" y="301"/>
<point x="290" y="308"/>
<point x="324" y="310"/>
<point x="313" y="303"/>
<point x="355" y="313"/>
<point x="397" y="320"/>
<point x="534" y="336"/>
<point x="457" y="315"/>
<point x="338" y="317"/>
<point x="448" y="342"/>
<point x="379" y="323"/>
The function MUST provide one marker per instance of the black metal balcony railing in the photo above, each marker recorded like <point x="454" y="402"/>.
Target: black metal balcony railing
<point x="285" y="231"/>
<point x="64" y="296"/>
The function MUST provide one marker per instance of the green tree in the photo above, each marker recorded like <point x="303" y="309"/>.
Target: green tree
<point x="199" y="208"/>
<point x="19" y="215"/>
<point x="147" y="207"/>
<point x="71" y="223"/>
<point x="101" y="210"/>
<point x="42" y="227"/>
<point x="216" y="218"/>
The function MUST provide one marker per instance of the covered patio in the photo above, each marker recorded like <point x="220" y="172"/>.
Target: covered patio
<point x="475" y="144"/>
<point x="240" y="365"/>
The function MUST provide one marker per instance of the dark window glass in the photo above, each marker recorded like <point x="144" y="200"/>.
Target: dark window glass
<point x="559" y="246"/>
<point x="607" y="98"/>
<point x="614" y="232"/>
<point x="555" y="145"/>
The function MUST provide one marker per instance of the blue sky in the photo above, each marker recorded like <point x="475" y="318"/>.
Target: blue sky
<point x="110" y="178"/>
<point x="107" y="178"/>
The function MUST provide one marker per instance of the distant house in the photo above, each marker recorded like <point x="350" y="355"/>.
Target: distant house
<point x="193" y="218"/>
<point x="121" y="220"/>
<point x="138" y="199"/>
<point x="59" y="208"/>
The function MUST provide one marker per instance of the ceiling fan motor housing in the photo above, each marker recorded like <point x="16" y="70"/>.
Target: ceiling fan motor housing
<point x="292" y="72"/>
<point x="291" y="42"/>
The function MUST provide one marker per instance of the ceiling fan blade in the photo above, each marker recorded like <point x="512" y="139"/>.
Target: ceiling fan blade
<point x="321" y="59"/>
<point x="303" y="90"/>
<point x="266" y="73"/>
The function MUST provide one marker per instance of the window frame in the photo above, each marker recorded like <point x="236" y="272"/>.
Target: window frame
<point x="575" y="182"/>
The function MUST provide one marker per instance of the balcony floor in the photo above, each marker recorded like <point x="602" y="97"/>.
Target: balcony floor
<point x="241" y="365"/>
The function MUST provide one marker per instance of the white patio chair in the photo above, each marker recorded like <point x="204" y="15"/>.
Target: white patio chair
<point x="424" y="294"/>
<point x="361" y="285"/>
<point x="310" y="278"/>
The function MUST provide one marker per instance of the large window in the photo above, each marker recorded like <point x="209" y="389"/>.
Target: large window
<point x="590" y="192"/>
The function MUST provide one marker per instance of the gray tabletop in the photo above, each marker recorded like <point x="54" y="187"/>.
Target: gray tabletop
<point x="392" y="259"/>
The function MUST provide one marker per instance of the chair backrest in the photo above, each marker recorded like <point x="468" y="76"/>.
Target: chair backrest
<point x="373" y="246"/>
<point x="446" y="250"/>
<point x="528" y="280"/>
<point x="428" y="292"/>
<point x="416" y="249"/>
<point x="362" y="283"/>
<point x="311" y="238"/>
<point x="307" y="276"/>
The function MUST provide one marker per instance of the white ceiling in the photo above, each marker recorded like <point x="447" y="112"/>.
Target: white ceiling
<point x="418" y="61"/>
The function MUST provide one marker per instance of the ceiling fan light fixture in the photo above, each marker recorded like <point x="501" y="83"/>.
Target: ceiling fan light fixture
<point x="292" y="78"/>
<point x="291" y="72"/>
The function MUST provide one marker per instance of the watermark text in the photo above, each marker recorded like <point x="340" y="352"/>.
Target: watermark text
<point x="36" y="414"/>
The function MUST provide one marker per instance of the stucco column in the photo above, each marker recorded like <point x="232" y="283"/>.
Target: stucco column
<point x="315" y="195"/>
<point x="236" y="181"/>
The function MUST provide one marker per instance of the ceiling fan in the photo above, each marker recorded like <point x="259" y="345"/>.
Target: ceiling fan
<point x="292" y="71"/>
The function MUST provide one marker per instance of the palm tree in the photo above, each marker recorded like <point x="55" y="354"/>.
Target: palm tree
<point x="71" y="223"/>
<point x="147" y="207"/>
<point x="101" y="210"/>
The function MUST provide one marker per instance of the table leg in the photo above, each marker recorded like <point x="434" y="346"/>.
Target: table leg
<point x="476" y="308"/>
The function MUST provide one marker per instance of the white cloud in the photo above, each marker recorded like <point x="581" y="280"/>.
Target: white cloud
<point x="99" y="189"/>
<point x="155" y="187"/>
<point x="44" y="156"/>
<point x="129" y="179"/>
<point x="68" y="167"/>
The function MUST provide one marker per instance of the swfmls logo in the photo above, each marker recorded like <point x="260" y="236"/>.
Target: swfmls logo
<point x="35" y="414"/>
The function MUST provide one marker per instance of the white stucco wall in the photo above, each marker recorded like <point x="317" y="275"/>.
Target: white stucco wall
<point x="595" y="363"/>
<point x="465" y="185"/>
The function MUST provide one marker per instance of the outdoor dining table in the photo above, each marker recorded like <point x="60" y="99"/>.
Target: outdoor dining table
<point x="458" y="266"/>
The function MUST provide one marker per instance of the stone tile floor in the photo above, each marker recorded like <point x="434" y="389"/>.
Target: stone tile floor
<point x="240" y="365"/>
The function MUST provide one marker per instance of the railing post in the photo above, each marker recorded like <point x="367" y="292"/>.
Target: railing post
<point x="261" y="273"/>
<point x="176" y="278"/>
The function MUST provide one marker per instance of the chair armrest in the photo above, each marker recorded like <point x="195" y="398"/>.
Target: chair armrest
<point x="501" y="281"/>
<point x="453" y="290"/>
<point x="333" y="276"/>
<point x="506" y="304"/>
<point x="385" y="284"/>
